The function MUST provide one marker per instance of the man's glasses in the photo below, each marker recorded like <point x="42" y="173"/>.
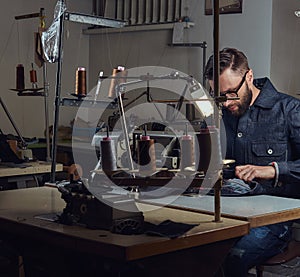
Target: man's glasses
<point x="234" y="93"/>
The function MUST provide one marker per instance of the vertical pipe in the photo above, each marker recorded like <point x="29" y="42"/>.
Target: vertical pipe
<point x="180" y="8"/>
<point x="46" y="94"/>
<point x="116" y="8"/>
<point x="204" y="46"/>
<point x="217" y="196"/>
<point x="95" y="10"/>
<point x="101" y="7"/>
<point x="57" y="96"/>
<point x="216" y="50"/>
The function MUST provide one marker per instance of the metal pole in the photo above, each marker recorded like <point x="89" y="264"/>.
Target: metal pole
<point x="46" y="94"/>
<point x="216" y="55"/>
<point x="124" y="127"/>
<point x="57" y="97"/>
<point x="217" y="190"/>
<point x="204" y="46"/>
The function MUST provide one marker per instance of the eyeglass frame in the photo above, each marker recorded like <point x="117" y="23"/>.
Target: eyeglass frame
<point x="234" y="93"/>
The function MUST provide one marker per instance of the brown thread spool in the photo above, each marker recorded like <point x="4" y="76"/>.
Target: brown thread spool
<point x="80" y="86"/>
<point x="20" y="80"/>
<point x="187" y="152"/>
<point x="146" y="155"/>
<point x="108" y="155"/>
<point x="119" y="75"/>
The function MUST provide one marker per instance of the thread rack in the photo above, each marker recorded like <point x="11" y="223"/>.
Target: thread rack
<point x="82" y="19"/>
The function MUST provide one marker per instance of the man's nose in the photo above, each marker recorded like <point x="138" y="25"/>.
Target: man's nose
<point x="227" y="103"/>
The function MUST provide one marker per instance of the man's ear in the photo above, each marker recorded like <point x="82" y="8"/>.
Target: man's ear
<point x="250" y="76"/>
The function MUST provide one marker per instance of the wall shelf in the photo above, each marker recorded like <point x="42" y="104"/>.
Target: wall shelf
<point x="135" y="28"/>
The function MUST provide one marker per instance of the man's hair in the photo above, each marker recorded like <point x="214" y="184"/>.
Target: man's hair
<point x="229" y="58"/>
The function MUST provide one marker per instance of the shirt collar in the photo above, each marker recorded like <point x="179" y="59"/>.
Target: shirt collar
<point x="268" y="95"/>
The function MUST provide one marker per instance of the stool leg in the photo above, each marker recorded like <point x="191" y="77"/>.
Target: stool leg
<point x="259" y="270"/>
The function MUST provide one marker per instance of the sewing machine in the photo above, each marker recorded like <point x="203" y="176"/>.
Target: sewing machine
<point x="95" y="199"/>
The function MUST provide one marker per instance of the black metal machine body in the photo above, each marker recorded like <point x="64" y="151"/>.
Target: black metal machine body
<point x="121" y="216"/>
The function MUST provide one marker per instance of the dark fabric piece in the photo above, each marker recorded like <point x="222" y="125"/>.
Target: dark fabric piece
<point x="237" y="187"/>
<point x="6" y="153"/>
<point x="167" y="228"/>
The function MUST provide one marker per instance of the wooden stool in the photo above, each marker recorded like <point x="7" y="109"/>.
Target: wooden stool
<point x="292" y="251"/>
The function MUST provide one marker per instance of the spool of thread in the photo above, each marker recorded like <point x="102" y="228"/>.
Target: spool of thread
<point x="216" y="152"/>
<point x="108" y="155"/>
<point x="146" y="155"/>
<point x="187" y="152"/>
<point x="80" y="86"/>
<point x="209" y="149"/>
<point x="33" y="77"/>
<point x="203" y="150"/>
<point x="190" y="112"/>
<point x="20" y="80"/>
<point x="118" y="75"/>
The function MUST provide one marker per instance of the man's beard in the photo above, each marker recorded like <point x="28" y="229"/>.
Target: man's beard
<point x="244" y="103"/>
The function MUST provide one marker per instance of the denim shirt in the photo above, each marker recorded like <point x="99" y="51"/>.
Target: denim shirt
<point x="268" y="132"/>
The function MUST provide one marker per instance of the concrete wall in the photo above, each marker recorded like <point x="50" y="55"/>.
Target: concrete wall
<point x="285" y="69"/>
<point x="267" y="31"/>
<point x="17" y="46"/>
<point x="250" y="31"/>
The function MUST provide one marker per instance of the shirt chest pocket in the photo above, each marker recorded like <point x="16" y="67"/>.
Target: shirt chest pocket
<point x="264" y="153"/>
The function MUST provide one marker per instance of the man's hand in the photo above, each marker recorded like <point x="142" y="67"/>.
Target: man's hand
<point x="248" y="172"/>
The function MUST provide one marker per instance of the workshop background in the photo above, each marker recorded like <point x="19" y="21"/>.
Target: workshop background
<point x="267" y="31"/>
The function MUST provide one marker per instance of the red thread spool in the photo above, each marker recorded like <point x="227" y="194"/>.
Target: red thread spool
<point x="33" y="77"/>
<point x="146" y="155"/>
<point x="20" y="80"/>
<point x="80" y="86"/>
